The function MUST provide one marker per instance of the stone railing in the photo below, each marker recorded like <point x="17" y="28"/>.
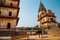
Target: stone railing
<point x="4" y="29"/>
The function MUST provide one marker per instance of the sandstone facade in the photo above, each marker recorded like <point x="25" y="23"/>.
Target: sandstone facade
<point x="46" y="18"/>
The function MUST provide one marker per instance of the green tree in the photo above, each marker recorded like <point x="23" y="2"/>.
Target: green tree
<point x="36" y="26"/>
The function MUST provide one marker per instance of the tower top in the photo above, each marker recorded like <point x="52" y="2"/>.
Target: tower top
<point x="41" y="7"/>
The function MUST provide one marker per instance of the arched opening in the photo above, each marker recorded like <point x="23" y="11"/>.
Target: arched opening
<point x="49" y="27"/>
<point x="11" y="4"/>
<point x="8" y="26"/>
<point x="10" y="13"/>
<point x="0" y="13"/>
<point x="42" y="13"/>
<point x="51" y="19"/>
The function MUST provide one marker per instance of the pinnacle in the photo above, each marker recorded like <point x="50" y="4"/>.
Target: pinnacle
<point x="41" y="7"/>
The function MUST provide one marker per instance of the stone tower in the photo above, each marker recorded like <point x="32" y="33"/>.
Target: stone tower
<point x="9" y="10"/>
<point x="46" y="18"/>
<point x="9" y="13"/>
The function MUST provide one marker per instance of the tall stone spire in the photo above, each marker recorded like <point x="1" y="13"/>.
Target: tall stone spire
<point x="41" y="7"/>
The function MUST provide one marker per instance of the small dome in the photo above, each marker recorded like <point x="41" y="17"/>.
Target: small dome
<point x="49" y="11"/>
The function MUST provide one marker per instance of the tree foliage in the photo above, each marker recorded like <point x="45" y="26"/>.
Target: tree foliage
<point x="36" y="26"/>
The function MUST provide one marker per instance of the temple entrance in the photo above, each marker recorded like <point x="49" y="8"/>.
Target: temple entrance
<point x="8" y="26"/>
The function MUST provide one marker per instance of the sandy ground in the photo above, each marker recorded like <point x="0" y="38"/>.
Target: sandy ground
<point x="43" y="37"/>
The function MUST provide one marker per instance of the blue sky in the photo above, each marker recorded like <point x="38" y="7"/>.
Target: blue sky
<point x="29" y="11"/>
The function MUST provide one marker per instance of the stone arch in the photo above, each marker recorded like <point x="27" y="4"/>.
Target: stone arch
<point x="8" y="25"/>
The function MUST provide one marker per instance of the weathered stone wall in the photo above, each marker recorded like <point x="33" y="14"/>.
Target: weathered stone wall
<point x="9" y="2"/>
<point x="5" y="12"/>
<point x="39" y="24"/>
<point x="5" y="21"/>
